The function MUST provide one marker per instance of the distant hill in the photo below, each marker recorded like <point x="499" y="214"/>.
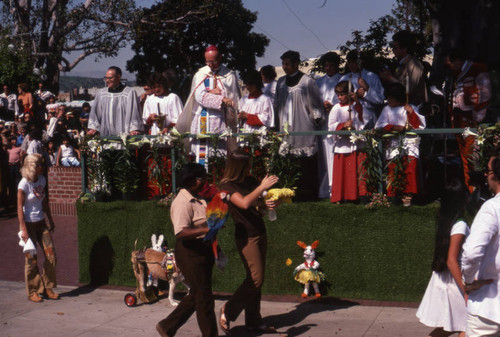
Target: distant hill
<point x="67" y="83"/>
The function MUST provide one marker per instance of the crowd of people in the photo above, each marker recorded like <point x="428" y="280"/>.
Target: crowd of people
<point x="359" y="99"/>
<point x="331" y="166"/>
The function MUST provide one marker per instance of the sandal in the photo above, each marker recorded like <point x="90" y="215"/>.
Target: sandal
<point x="223" y="322"/>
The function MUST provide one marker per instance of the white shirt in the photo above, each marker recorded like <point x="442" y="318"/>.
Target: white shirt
<point x="326" y="85"/>
<point x="338" y="115"/>
<point x="398" y="116"/>
<point x="169" y="106"/>
<point x="34" y="192"/>
<point x="261" y="106"/>
<point x="481" y="260"/>
<point x="269" y="89"/>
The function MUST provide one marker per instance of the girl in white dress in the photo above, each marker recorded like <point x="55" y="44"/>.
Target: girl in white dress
<point x="444" y="303"/>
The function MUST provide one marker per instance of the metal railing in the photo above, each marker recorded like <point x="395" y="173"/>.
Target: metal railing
<point x="448" y="131"/>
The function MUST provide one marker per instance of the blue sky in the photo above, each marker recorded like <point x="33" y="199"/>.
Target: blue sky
<point x="312" y="31"/>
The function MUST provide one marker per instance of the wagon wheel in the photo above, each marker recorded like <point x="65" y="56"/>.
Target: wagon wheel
<point x="130" y="300"/>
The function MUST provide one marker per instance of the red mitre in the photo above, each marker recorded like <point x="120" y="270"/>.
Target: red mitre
<point x="211" y="48"/>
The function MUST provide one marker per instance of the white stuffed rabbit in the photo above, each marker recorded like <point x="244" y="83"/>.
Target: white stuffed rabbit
<point x="307" y="272"/>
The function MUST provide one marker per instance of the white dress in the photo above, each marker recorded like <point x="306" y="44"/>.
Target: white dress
<point x="443" y="304"/>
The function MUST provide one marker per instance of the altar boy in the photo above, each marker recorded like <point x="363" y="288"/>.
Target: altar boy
<point x="347" y="114"/>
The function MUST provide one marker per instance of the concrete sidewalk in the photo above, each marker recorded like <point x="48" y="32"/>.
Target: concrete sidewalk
<point x="87" y="312"/>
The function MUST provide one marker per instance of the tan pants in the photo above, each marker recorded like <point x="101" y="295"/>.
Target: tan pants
<point x="247" y="296"/>
<point x="36" y="283"/>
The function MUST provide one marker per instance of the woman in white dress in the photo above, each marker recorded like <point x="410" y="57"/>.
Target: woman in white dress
<point x="444" y="303"/>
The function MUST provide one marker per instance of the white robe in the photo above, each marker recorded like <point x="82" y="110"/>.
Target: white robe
<point x="262" y="107"/>
<point x="326" y="85"/>
<point x="301" y="107"/>
<point x="269" y="89"/>
<point x="398" y="116"/>
<point x="340" y="114"/>
<point x="374" y="95"/>
<point x="115" y="113"/>
<point x="169" y="106"/>
<point x="199" y="99"/>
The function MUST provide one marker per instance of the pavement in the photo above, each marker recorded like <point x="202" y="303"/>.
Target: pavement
<point x="86" y="311"/>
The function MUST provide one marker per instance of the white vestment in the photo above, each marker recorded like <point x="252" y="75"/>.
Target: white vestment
<point x="301" y="107"/>
<point x="200" y="102"/>
<point x="398" y="116"/>
<point x="114" y="113"/>
<point x="169" y="106"/>
<point x="326" y="85"/>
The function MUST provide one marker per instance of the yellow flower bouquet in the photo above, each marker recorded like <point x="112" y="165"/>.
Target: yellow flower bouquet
<point x="278" y="194"/>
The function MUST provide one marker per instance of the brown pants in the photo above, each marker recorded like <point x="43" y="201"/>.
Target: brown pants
<point x="36" y="283"/>
<point x="247" y="296"/>
<point x="195" y="260"/>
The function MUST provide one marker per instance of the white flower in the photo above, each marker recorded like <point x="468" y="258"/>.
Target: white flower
<point x="93" y="145"/>
<point x="226" y="133"/>
<point x="467" y="132"/>
<point x="284" y="148"/>
<point x="174" y="133"/>
<point x="374" y="142"/>
<point x="285" y="128"/>
<point x="480" y="140"/>
<point x="356" y="137"/>
<point x="262" y="131"/>
<point x="144" y="140"/>
<point x="123" y="136"/>
<point x="394" y="153"/>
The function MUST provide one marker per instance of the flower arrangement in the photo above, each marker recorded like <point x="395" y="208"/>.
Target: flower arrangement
<point x="487" y="137"/>
<point x="378" y="200"/>
<point x="278" y="194"/>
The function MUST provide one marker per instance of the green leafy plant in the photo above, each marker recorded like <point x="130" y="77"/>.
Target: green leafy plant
<point x="282" y="162"/>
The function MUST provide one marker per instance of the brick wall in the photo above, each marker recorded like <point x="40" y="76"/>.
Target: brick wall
<point x="65" y="184"/>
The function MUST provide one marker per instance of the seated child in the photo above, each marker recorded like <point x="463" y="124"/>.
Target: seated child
<point x="394" y="117"/>
<point x="66" y="153"/>
<point x="346" y="160"/>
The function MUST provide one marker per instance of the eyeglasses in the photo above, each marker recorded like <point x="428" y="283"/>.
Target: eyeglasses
<point x="108" y="78"/>
<point x="211" y="62"/>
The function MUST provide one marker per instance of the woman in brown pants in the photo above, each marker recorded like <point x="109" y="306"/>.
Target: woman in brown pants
<point x="251" y="240"/>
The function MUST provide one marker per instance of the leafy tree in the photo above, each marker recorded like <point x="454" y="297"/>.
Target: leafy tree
<point x="225" y="23"/>
<point x="45" y="32"/>
<point x="15" y="64"/>
<point x="373" y="44"/>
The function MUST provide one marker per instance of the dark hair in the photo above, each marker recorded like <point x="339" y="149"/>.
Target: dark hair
<point x="64" y="137"/>
<point x="453" y="202"/>
<point x="352" y="55"/>
<point x="117" y="70"/>
<point x="406" y="40"/>
<point x="158" y="78"/>
<point x="85" y="105"/>
<point x="342" y="87"/>
<point x="330" y="57"/>
<point x="252" y="77"/>
<point x="495" y="164"/>
<point x="237" y="165"/>
<point x="24" y="87"/>
<point x="36" y="133"/>
<point x="189" y="173"/>
<point x="396" y="91"/>
<point x="291" y="55"/>
<point x="269" y="72"/>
